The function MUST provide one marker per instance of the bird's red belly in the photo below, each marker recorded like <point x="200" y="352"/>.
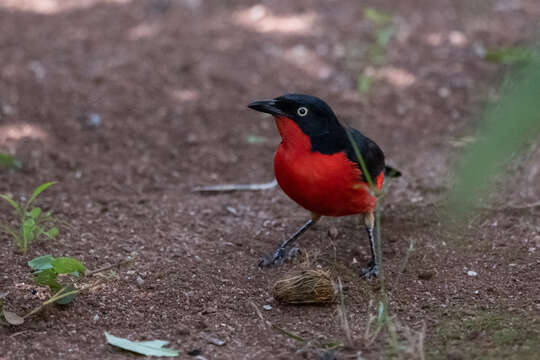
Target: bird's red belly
<point x="328" y="185"/>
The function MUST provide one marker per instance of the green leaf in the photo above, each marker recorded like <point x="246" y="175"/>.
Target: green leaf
<point x="29" y="230"/>
<point x="364" y="84"/>
<point x="47" y="277"/>
<point x="12" y="318"/>
<point x="67" y="299"/>
<point x="11" y="201"/>
<point x="505" y="128"/>
<point x="383" y="36"/>
<point x="41" y="262"/>
<point x="52" y="233"/>
<point x="67" y="265"/>
<point x="35" y="212"/>
<point x="512" y="55"/>
<point x="38" y="191"/>
<point x="377" y="17"/>
<point x="148" y="348"/>
<point x="9" y="161"/>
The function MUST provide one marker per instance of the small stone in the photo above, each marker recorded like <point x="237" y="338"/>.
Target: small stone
<point x="472" y="273"/>
<point x="267" y="307"/>
<point x="92" y="121"/>
<point x="183" y="331"/>
<point x="215" y="341"/>
<point x="444" y="92"/>
<point x="191" y="4"/>
<point x="426" y="275"/>
<point x="194" y="352"/>
<point x="454" y="355"/>
<point x="139" y="280"/>
<point x="232" y="210"/>
<point x="7" y="109"/>
<point x="38" y="69"/>
<point x="333" y="233"/>
<point x="96" y="317"/>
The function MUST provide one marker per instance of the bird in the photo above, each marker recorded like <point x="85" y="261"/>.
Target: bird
<point x="327" y="168"/>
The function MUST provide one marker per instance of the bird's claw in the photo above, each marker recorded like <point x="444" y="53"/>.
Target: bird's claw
<point x="278" y="257"/>
<point x="370" y="271"/>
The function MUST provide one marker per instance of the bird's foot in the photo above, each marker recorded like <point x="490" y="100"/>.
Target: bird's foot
<point x="370" y="271"/>
<point x="279" y="256"/>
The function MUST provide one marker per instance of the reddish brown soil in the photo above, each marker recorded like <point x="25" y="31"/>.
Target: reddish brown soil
<point x="170" y="81"/>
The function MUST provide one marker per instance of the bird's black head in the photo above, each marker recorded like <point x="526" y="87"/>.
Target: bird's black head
<point x="313" y="116"/>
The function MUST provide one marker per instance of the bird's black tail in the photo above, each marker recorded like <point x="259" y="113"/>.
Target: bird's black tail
<point x="391" y="172"/>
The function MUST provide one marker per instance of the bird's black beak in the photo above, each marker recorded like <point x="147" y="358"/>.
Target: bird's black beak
<point x="266" y="106"/>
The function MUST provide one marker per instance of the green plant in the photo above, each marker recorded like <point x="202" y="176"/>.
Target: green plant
<point x="9" y="161"/>
<point x="512" y="55"/>
<point x="55" y="273"/>
<point x="384" y="30"/>
<point x="47" y="270"/>
<point x="506" y="128"/>
<point x="32" y="222"/>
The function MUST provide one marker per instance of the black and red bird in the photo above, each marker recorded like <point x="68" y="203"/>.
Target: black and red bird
<point x="317" y="165"/>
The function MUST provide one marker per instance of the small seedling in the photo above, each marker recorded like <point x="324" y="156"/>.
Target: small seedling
<point x="47" y="271"/>
<point x="364" y="83"/>
<point x="33" y="223"/>
<point x="8" y="161"/>
<point x="384" y="30"/>
<point x="512" y="55"/>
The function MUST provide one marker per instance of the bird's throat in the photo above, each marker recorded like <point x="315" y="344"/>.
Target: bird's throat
<point x="291" y="134"/>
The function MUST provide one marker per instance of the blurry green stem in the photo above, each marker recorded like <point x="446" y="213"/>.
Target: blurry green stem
<point x="506" y="127"/>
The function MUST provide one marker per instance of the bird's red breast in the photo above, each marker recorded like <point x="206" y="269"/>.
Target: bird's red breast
<point x="326" y="184"/>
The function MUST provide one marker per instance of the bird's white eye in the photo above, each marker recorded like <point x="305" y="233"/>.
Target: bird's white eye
<point x="302" y="111"/>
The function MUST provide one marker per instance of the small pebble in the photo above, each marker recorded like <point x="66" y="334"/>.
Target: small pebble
<point x="454" y="355"/>
<point x="426" y="275"/>
<point x="215" y="341"/>
<point x="267" y="307"/>
<point x="444" y="92"/>
<point x="472" y="273"/>
<point x="96" y="317"/>
<point x="194" y="352"/>
<point x="91" y="121"/>
<point x="333" y="233"/>
<point x="139" y="280"/>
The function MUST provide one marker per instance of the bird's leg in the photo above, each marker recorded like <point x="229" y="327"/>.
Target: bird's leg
<point x="372" y="268"/>
<point x="279" y="255"/>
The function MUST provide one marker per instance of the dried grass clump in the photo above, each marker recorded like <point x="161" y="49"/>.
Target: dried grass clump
<point x="306" y="287"/>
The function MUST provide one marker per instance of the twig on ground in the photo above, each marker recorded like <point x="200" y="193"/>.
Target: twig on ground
<point x="275" y="327"/>
<point x="342" y="315"/>
<point x="58" y="296"/>
<point x="236" y="187"/>
<point x="108" y="267"/>
<point x="510" y="206"/>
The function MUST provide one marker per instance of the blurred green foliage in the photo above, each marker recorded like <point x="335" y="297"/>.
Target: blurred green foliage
<point x="9" y="161"/>
<point x="506" y="128"/>
<point x="383" y="31"/>
<point x="512" y="55"/>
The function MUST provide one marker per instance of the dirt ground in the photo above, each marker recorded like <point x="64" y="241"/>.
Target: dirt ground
<point x="170" y="80"/>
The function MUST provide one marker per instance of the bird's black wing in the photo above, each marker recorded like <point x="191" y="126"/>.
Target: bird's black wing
<point x="370" y="151"/>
